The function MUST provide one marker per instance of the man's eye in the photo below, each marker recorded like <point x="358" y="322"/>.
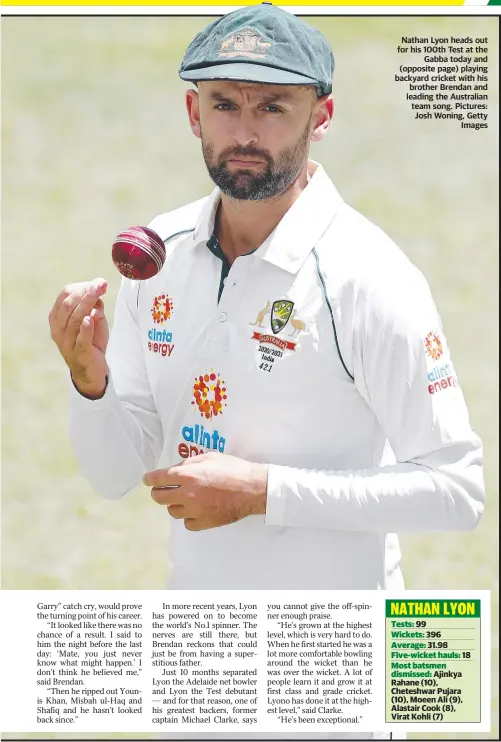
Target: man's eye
<point x="223" y="106"/>
<point x="272" y="108"/>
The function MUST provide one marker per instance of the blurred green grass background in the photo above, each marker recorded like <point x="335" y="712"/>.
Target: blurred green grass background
<point x="95" y="138"/>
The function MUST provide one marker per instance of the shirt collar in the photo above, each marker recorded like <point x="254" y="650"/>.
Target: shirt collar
<point x="205" y="225"/>
<point x="304" y="223"/>
<point x="300" y="228"/>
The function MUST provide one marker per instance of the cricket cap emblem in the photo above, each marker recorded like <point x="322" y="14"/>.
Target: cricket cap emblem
<point x="245" y="43"/>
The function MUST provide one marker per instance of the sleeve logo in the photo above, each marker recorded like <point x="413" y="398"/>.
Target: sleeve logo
<point x="433" y="346"/>
<point x="441" y="376"/>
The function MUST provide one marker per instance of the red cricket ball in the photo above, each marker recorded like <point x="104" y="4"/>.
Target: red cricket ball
<point x="138" y="253"/>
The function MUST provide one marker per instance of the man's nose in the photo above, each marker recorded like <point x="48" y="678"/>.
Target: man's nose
<point x="245" y="132"/>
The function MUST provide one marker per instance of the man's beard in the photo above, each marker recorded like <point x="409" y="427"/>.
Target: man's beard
<point x="245" y="185"/>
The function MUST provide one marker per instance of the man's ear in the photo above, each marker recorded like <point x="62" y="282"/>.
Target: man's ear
<point x="322" y="117"/>
<point x="193" y="108"/>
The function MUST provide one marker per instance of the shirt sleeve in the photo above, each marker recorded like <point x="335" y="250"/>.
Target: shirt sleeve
<point x="119" y="437"/>
<point x="403" y="369"/>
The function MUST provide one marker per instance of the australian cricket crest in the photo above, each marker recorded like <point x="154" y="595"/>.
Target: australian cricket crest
<point x="271" y="347"/>
<point x="245" y="43"/>
<point x="280" y="314"/>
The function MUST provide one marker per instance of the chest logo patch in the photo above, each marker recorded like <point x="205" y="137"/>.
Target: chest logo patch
<point x="209" y="394"/>
<point x="159" y="340"/>
<point x="271" y="347"/>
<point x="161" y="309"/>
<point x="280" y="314"/>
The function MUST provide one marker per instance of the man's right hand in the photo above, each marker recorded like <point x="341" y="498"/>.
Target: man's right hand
<point x="80" y="330"/>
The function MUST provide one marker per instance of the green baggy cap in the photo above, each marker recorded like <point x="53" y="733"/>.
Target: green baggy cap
<point x="260" y="43"/>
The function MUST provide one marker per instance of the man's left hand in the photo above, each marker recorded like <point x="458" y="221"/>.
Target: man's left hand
<point x="213" y="489"/>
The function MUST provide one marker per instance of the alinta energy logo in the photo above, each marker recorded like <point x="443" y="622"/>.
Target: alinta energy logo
<point x="433" y="345"/>
<point x="209" y="395"/>
<point x="160" y="341"/>
<point x="162" y="309"/>
<point x="440" y="377"/>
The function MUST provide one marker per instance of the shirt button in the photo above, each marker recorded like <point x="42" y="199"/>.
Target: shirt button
<point x="223" y="317"/>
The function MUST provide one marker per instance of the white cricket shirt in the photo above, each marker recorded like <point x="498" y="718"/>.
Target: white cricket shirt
<point x="325" y="358"/>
